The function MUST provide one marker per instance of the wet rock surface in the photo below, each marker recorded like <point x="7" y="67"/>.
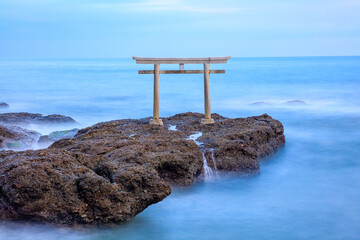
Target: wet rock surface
<point x="17" y="138"/>
<point x="111" y="171"/>
<point x="23" y="119"/>
<point x="58" y="187"/>
<point x="236" y="144"/>
<point x="57" y="135"/>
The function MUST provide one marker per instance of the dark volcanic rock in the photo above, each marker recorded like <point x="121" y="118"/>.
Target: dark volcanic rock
<point x="111" y="171"/>
<point x="236" y="144"/>
<point x="176" y="159"/>
<point x="4" y="105"/>
<point x="14" y="136"/>
<point x="17" y="138"/>
<point x="23" y="118"/>
<point x="57" y="187"/>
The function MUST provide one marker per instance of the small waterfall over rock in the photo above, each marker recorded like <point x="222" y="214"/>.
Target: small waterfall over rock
<point x="208" y="172"/>
<point x="214" y="162"/>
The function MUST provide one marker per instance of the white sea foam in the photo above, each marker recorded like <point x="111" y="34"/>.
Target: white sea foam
<point x="172" y="128"/>
<point x="195" y="136"/>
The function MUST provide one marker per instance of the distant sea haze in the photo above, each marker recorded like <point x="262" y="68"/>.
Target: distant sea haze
<point x="308" y="190"/>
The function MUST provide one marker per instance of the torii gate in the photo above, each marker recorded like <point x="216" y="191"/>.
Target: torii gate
<point x="181" y="61"/>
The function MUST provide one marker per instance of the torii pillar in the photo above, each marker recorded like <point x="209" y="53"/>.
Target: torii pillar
<point x="207" y="103"/>
<point x="156" y="119"/>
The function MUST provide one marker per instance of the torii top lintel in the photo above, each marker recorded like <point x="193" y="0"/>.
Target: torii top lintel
<point x="209" y="60"/>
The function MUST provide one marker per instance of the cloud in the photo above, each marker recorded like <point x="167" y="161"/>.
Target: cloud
<point x="166" y="6"/>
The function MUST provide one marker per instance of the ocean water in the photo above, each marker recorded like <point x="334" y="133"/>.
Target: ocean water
<point x="310" y="189"/>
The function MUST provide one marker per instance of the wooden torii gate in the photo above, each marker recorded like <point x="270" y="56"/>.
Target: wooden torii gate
<point x="181" y="61"/>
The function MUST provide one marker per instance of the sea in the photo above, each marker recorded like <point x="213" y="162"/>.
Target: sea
<point x="309" y="189"/>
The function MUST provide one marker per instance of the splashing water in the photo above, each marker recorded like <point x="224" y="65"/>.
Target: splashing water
<point x="194" y="137"/>
<point x="208" y="172"/>
<point x="214" y="162"/>
<point x="172" y="128"/>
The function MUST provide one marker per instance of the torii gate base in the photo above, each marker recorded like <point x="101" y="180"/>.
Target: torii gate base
<point x="156" y="122"/>
<point x="207" y="121"/>
<point x="181" y="61"/>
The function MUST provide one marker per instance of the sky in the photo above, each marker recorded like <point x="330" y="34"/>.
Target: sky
<point x="39" y="29"/>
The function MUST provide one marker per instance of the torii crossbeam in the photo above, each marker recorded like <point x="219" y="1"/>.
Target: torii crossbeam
<point x="181" y="61"/>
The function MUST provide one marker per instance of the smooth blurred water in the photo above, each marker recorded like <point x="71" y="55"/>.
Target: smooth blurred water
<point x="308" y="190"/>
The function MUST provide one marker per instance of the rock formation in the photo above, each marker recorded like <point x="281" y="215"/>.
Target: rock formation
<point x="17" y="138"/>
<point x="296" y="102"/>
<point x="4" y="105"/>
<point x="23" y="119"/>
<point x="13" y="134"/>
<point x="57" y="135"/>
<point x="111" y="171"/>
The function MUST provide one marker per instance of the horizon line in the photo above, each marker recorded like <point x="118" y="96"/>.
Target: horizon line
<point x="130" y="57"/>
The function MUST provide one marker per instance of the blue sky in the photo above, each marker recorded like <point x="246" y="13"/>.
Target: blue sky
<point x="178" y="28"/>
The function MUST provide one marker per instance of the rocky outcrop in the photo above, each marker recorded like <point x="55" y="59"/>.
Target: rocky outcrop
<point x="111" y="171"/>
<point x="4" y="105"/>
<point x="57" y="135"/>
<point x="260" y="103"/>
<point x="58" y="187"/>
<point x="296" y="102"/>
<point x="16" y="138"/>
<point x="23" y="119"/>
<point x="13" y="134"/>
<point x="236" y="144"/>
<point x="176" y="159"/>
